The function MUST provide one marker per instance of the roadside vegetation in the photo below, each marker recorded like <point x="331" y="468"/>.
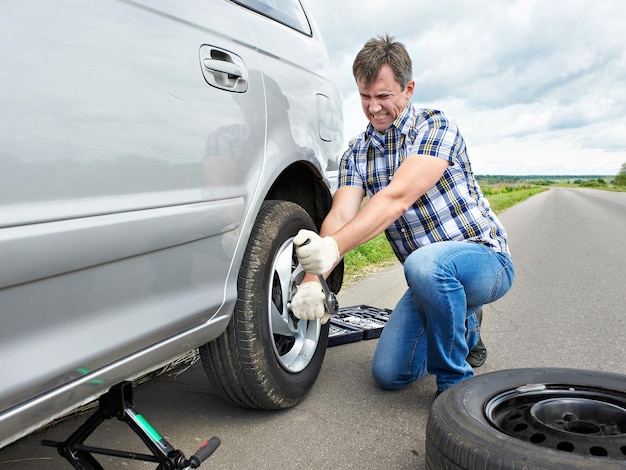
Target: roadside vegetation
<point x="502" y="193"/>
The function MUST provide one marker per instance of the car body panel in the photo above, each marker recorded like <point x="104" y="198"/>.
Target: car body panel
<point x="139" y="141"/>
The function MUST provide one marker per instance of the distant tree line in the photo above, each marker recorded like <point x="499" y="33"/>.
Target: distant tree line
<point x="547" y="180"/>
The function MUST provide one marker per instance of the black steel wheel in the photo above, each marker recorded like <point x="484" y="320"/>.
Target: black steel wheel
<point x="530" y="419"/>
<point x="267" y="358"/>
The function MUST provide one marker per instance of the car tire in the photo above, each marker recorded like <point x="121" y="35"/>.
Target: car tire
<point x="530" y="419"/>
<point x="267" y="358"/>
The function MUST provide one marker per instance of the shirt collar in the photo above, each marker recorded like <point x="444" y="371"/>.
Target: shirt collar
<point x="400" y="123"/>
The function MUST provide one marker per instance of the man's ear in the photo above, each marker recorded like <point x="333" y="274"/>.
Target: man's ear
<point x="410" y="88"/>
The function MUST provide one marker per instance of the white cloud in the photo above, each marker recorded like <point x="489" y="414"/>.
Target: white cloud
<point x="533" y="85"/>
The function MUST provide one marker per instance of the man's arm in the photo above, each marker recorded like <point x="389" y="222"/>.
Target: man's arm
<point x="346" y="204"/>
<point x="347" y="227"/>
<point x="416" y="175"/>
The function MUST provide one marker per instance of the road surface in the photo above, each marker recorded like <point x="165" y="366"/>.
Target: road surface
<point x="566" y="309"/>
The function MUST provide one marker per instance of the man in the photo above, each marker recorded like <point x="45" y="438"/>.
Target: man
<point x="413" y="165"/>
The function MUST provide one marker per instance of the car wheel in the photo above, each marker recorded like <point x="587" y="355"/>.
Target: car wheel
<point x="267" y="358"/>
<point x="530" y="419"/>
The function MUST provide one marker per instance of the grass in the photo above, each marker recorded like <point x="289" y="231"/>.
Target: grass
<point x="501" y="199"/>
<point x="377" y="253"/>
<point x="367" y="259"/>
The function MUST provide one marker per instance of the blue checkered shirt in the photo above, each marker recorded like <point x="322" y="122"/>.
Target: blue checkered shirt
<point x="454" y="209"/>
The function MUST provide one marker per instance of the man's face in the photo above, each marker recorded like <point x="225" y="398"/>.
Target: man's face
<point x="384" y="99"/>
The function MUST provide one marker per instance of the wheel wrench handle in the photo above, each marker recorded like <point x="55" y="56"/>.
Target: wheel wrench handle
<point x="330" y="301"/>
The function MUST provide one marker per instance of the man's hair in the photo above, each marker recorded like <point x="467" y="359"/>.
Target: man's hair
<point x="380" y="51"/>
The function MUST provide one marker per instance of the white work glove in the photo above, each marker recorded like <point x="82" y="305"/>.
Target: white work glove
<point x="309" y="302"/>
<point x="317" y="256"/>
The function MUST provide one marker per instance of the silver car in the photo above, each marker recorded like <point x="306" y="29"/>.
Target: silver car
<point x="156" y="159"/>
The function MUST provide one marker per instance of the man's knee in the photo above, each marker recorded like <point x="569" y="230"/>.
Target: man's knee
<point x="385" y="371"/>
<point x="384" y="379"/>
<point x="419" y="268"/>
<point x="390" y="376"/>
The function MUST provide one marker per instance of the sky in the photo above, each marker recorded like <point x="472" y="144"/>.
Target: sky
<point x="537" y="87"/>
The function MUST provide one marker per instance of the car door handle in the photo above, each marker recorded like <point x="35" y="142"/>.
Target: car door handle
<point x="223" y="69"/>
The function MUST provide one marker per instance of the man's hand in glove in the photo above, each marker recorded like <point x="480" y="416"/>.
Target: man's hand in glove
<point x="308" y="303"/>
<point x="318" y="255"/>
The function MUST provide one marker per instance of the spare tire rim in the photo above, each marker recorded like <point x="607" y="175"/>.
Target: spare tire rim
<point x="579" y="420"/>
<point x="294" y="341"/>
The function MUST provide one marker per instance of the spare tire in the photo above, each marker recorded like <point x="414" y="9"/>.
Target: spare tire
<point x="530" y="419"/>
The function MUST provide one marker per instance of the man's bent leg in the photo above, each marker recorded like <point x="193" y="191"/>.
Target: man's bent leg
<point x="445" y="278"/>
<point x="400" y="356"/>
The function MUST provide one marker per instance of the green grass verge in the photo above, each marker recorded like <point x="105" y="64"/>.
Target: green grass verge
<point x="500" y="201"/>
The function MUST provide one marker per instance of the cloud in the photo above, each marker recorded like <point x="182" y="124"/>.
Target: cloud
<point x="511" y="73"/>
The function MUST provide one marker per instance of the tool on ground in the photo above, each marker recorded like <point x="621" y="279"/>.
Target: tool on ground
<point x="118" y="403"/>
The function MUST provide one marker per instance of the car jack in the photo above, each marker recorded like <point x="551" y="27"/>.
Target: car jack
<point x="118" y="403"/>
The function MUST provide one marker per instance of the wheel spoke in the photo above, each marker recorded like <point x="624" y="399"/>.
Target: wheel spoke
<point x="280" y="322"/>
<point x="279" y="315"/>
<point x="283" y="270"/>
<point x="293" y="354"/>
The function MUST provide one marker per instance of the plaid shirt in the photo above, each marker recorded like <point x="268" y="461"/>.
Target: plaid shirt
<point x="453" y="209"/>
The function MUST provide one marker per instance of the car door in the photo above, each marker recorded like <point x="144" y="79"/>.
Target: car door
<point x="132" y="138"/>
<point x="303" y="104"/>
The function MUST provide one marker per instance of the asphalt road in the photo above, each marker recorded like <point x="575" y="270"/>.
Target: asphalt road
<point x="566" y="309"/>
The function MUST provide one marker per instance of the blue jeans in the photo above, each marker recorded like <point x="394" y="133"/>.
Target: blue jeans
<point x="434" y="326"/>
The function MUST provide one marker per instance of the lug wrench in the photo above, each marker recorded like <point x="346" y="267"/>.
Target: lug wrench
<point x="330" y="300"/>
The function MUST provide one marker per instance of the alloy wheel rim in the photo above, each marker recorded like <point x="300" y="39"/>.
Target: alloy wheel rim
<point x="294" y="341"/>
